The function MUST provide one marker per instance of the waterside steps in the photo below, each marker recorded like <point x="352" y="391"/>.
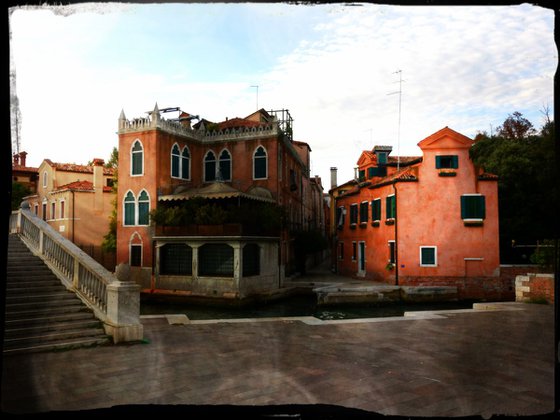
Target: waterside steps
<point x="41" y="314"/>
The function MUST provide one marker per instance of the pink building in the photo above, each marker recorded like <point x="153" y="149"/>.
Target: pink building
<point x="421" y="220"/>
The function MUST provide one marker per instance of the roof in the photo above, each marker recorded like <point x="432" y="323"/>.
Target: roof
<point x="301" y="144"/>
<point x="408" y="174"/>
<point x="81" y="186"/>
<point x="446" y="138"/>
<point x="404" y="160"/>
<point x="20" y="168"/>
<point x="72" y="167"/>
<point x="237" y="122"/>
<point x="216" y="190"/>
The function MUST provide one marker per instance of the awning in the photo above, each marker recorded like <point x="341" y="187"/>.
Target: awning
<point x="216" y="190"/>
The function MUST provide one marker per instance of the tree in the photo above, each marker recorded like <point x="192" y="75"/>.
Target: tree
<point x="109" y="243"/>
<point x="523" y="159"/>
<point x="18" y="192"/>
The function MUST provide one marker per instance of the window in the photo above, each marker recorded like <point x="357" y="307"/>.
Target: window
<point x="53" y="210"/>
<point x="447" y="162"/>
<point x="376" y="210"/>
<point x="36" y="209"/>
<point x="377" y="171"/>
<point x="353" y="251"/>
<point x="62" y="208"/>
<point x="293" y="183"/>
<point x="340" y="250"/>
<point x="45" y="179"/>
<point x="135" y="255"/>
<point x="225" y="166"/>
<point x="381" y="158"/>
<point x="362" y="175"/>
<point x="44" y="211"/>
<point x="390" y="207"/>
<point x="129" y="209"/>
<point x="428" y="256"/>
<point x="175" y="161"/>
<point x="353" y="214"/>
<point x="137" y="159"/>
<point x="364" y="212"/>
<point x="185" y="163"/>
<point x="251" y="260"/>
<point x="260" y="164"/>
<point x="473" y="207"/>
<point x="392" y="252"/>
<point x="175" y="259"/>
<point x="143" y="208"/>
<point x="340" y="213"/>
<point x="215" y="260"/>
<point x="210" y="167"/>
<point x="110" y="182"/>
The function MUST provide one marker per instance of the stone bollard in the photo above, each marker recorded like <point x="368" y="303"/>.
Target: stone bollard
<point x="122" y="272"/>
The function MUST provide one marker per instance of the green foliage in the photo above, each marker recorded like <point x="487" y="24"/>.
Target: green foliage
<point x="109" y="243"/>
<point x="524" y="161"/>
<point x="113" y="161"/>
<point x="544" y="255"/>
<point x="18" y="192"/>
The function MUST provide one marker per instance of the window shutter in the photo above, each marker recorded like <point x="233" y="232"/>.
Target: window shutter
<point x="455" y="162"/>
<point x="438" y="162"/>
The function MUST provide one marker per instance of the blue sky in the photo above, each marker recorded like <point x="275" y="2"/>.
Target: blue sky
<point x="332" y="65"/>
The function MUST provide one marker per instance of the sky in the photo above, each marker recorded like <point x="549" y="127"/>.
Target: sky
<point x="351" y="76"/>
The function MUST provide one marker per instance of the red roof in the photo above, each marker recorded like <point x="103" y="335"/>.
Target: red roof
<point x="24" y="168"/>
<point x="72" y="167"/>
<point x="236" y="123"/>
<point x="82" y="186"/>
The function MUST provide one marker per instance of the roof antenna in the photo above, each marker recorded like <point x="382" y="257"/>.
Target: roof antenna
<point x="399" y="128"/>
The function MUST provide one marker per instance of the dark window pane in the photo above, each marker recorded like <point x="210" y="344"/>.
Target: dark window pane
<point x="251" y="260"/>
<point x="428" y="256"/>
<point x="135" y="255"/>
<point x="215" y="260"/>
<point x="175" y="259"/>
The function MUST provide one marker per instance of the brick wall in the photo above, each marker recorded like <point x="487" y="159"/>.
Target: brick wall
<point x="532" y="287"/>
<point x="476" y="288"/>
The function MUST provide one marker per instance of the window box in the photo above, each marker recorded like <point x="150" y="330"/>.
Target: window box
<point x="390" y="221"/>
<point x="375" y="223"/>
<point x="352" y="225"/>
<point x="363" y="224"/>
<point x="473" y="222"/>
<point x="447" y="173"/>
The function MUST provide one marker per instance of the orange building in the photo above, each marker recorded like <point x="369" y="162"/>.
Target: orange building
<point x="420" y="220"/>
<point x="240" y="163"/>
<point x="77" y="201"/>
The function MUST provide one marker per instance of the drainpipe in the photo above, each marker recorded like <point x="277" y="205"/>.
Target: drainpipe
<point x="73" y="215"/>
<point x="396" y="238"/>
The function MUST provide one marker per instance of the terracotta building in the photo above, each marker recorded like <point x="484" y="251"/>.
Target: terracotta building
<point x="197" y="202"/>
<point x="420" y="220"/>
<point x="77" y="201"/>
<point x="22" y="173"/>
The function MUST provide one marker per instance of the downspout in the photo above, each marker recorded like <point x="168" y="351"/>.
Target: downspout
<point x="396" y="238"/>
<point x="73" y="215"/>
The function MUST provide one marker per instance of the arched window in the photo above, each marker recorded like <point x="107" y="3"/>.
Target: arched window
<point x="175" y="161"/>
<point x="225" y="165"/>
<point x="210" y="167"/>
<point x="137" y="159"/>
<point x="135" y="250"/>
<point x="143" y="208"/>
<point x="260" y="164"/>
<point x="186" y="163"/>
<point x="129" y="209"/>
<point x="45" y="179"/>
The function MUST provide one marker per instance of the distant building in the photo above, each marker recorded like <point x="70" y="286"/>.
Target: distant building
<point x="77" y="201"/>
<point x="22" y="173"/>
<point x="216" y="188"/>
<point x="420" y="220"/>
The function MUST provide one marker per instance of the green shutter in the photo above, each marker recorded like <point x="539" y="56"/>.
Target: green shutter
<point x="455" y="162"/>
<point x="428" y="256"/>
<point x="438" y="162"/>
<point x="473" y="207"/>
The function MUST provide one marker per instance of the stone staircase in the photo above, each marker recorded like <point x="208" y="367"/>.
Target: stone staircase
<point x="41" y="314"/>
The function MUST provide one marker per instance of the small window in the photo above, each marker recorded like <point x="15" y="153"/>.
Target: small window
<point x="390" y="207"/>
<point x="362" y="175"/>
<point x="53" y="210"/>
<point x="225" y="166"/>
<point x="44" y="211"/>
<point x="447" y="162"/>
<point x="353" y="214"/>
<point x="45" y="179"/>
<point x="175" y="161"/>
<point x="210" y="167"/>
<point x="340" y="215"/>
<point x="364" y="212"/>
<point x="135" y="255"/>
<point x="137" y="159"/>
<point x="392" y="252"/>
<point x="376" y="210"/>
<point x="473" y="207"/>
<point x="62" y="209"/>
<point x="110" y="182"/>
<point x="428" y="256"/>
<point x="36" y="209"/>
<point x="341" y="250"/>
<point x="353" y="251"/>
<point x="143" y="208"/>
<point x="260" y="163"/>
<point x="381" y="158"/>
<point x="293" y="183"/>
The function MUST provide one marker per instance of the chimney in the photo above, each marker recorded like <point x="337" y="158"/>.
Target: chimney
<point x="98" y="184"/>
<point x="333" y="177"/>
<point x="22" y="157"/>
<point x="16" y="159"/>
<point x="185" y="119"/>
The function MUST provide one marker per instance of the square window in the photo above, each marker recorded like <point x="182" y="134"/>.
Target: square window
<point x="447" y="162"/>
<point x="473" y="207"/>
<point x="428" y="256"/>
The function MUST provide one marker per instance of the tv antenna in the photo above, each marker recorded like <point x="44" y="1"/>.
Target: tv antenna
<point x="399" y="126"/>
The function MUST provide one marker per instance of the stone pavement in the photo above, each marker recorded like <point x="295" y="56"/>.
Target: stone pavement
<point x="498" y="359"/>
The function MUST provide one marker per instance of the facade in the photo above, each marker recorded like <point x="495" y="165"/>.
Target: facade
<point x="195" y="177"/>
<point x="424" y="220"/>
<point x="22" y="173"/>
<point x="77" y="201"/>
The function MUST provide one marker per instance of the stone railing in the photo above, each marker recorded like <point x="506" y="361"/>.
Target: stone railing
<point x="116" y="303"/>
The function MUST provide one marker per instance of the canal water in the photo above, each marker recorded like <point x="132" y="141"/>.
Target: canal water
<point x="299" y="305"/>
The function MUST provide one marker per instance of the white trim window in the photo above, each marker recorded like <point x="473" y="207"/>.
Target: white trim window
<point x="135" y="250"/>
<point x="209" y="166"/>
<point x="137" y="158"/>
<point x="428" y="256"/>
<point x="224" y="165"/>
<point x="129" y="209"/>
<point x="260" y="163"/>
<point x="175" y="161"/>
<point x="45" y="178"/>
<point x="143" y="208"/>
